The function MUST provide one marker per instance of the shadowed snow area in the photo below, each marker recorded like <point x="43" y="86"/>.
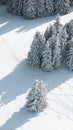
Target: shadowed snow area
<point x="16" y="77"/>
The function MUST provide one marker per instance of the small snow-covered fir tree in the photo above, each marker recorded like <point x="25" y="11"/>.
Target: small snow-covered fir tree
<point x="51" y="30"/>
<point x="56" y="59"/>
<point x="61" y="6"/>
<point x="36" y="99"/>
<point x="47" y="33"/>
<point x="57" y="25"/>
<point x="47" y="58"/>
<point x="35" y="54"/>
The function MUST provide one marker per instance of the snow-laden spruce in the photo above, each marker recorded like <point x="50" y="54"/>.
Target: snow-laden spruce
<point x="56" y="59"/>
<point x="37" y="47"/>
<point x="49" y="32"/>
<point x="61" y="6"/>
<point x="69" y="29"/>
<point x="29" y="9"/>
<point x="36" y="99"/>
<point x="47" y="58"/>
<point x="63" y="41"/>
<point x="69" y="55"/>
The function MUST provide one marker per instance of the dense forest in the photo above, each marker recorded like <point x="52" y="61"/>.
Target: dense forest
<point x="37" y="8"/>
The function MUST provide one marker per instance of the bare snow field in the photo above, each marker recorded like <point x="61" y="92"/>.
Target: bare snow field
<point x="16" y="77"/>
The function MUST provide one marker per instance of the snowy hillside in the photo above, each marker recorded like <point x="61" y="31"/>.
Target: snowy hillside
<point x="16" y="77"/>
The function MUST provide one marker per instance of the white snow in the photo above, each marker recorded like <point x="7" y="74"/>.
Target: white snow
<point x="16" y="77"/>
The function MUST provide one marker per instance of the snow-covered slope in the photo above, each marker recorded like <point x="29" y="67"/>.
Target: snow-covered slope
<point x="16" y="77"/>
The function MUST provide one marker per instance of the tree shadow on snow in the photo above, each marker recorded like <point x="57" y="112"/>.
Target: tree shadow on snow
<point x="18" y="119"/>
<point x="21" y="79"/>
<point x="11" y="22"/>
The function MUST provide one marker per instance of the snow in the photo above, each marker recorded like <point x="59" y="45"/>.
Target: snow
<point x="16" y="77"/>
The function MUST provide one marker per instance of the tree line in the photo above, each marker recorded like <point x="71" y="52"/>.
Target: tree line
<point x="37" y="8"/>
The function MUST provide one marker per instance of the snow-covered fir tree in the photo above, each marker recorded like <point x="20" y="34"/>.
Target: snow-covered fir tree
<point x="36" y="99"/>
<point x="67" y="46"/>
<point x="56" y="59"/>
<point x="69" y="29"/>
<point x="57" y="25"/>
<point x="61" y="6"/>
<point x="69" y="58"/>
<point x="52" y="41"/>
<point x="37" y="47"/>
<point x="14" y="6"/>
<point x="40" y="8"/>
<point x="48" y="6"/>
<point x="63" y="41"/>
<point x="29" y="8"/>
<point x="49" y="32"/>
<point x="47" y="58"/>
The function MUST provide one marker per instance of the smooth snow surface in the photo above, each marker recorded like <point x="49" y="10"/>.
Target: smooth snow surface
<point x="16" y="77"/>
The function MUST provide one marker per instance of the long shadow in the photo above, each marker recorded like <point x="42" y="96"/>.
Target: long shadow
<point x="21" y="79"/>
<point x="11" y="22"/>
<point x="18" y="119"/>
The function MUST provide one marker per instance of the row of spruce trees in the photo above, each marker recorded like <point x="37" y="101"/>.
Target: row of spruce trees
<point x="38" y="8"/>
<point x="53" y="48"/>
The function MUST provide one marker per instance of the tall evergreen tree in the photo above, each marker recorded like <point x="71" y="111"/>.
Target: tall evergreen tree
<point x="63" y="41"/>
<point x="35" y="54"/>
<point x="56" y="59"/>
<point x="36" y="99"/>
<point x="40" y="8"/>
<point x="69" y="29"/>
<point x="47" y="58"/>
<point x="48" y="6"/>
<point x="69" y="58"/>
<point x="49" y="32"/>
<point x="29" y="9"/>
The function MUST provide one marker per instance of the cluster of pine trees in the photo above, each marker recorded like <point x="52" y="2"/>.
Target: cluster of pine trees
<point x="38" y="8"/>
<point x="54" y="48"/>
